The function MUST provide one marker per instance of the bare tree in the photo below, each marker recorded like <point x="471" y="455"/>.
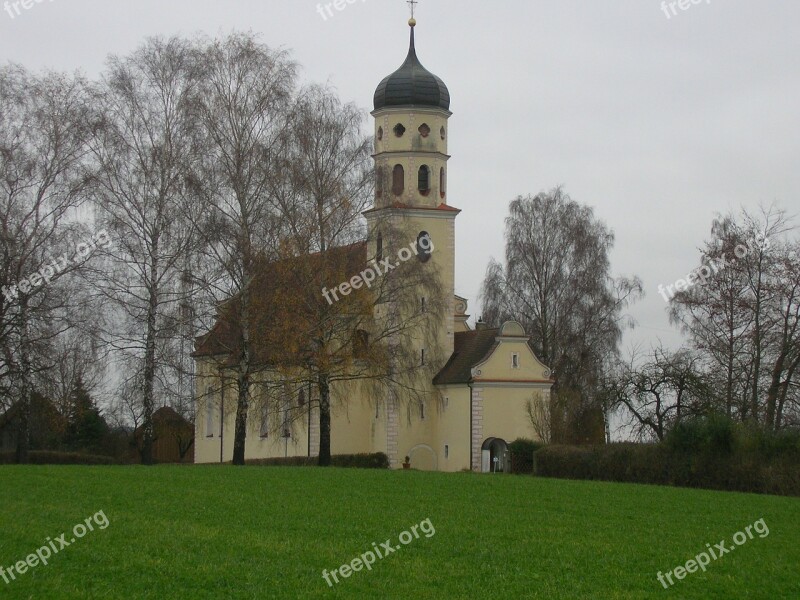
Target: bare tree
<point x="77" y="355"/>
<point x="304" y="338"/>
<point x="556" y="281"/>
<point x="44" y="125"/>
<point x="540" y="414"/>
<point x="659" y="392"/>
<point x="143" y="189"/>
<point x="742" y="314"/>
<point x="243" y="103"/>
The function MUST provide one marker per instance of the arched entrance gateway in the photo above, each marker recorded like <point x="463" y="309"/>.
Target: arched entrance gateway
<point x="494" y="456"/>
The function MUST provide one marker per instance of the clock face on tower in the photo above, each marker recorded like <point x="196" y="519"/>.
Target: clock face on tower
<point x="424" y="246"/>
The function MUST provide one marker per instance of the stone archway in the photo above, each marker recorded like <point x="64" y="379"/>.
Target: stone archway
<point x="494" y="456"/>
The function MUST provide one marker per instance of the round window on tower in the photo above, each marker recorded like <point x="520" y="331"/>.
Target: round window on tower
<point x="380" y="133"/>
<point x="399" y="130"/>
<point x="442" y="132"/>
<point x="424" y="130"/>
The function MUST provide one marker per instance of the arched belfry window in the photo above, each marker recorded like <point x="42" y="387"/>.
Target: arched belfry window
<point x="424" y="180"/>
<point x="398" y="180"/>
<point x="360" y="344"/>
<point x="442" y="183"/>
<point x="424" y="246"/>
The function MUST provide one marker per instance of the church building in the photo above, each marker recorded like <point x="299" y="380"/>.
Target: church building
<point x="488" y="378"/>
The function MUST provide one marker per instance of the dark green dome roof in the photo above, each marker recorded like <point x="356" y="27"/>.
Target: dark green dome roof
<point x="412" y="85"/>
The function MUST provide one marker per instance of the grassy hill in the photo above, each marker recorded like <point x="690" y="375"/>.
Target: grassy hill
<point x="220" y="532"/>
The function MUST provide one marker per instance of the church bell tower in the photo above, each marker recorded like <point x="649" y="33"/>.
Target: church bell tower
<point x="412" y="112"/>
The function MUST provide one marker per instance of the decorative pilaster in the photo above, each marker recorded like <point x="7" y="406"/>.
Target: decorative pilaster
<point x="313" y="432"/>
<point x="477" y="427"/>
<point x="392" y="430"/>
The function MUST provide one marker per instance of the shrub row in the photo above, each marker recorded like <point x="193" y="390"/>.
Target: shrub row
<point x="719" y="435"/>
<point x="47" y="457"/>
<point x="521" y="452"/>
<point x="665" y="465"/>
<point x="379" y="460"/>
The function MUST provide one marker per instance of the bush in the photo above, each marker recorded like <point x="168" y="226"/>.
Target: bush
<point x="521" y="451"/>
<point x="46" y="457"/>
<point x="664" y="465"/>
<point x="354" y="461"/>
<point x="713" y="434"/>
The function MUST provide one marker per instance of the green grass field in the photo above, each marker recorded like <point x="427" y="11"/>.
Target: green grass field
<point x="221" y="532"/>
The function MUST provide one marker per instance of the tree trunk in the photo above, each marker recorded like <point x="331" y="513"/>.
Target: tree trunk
<point x="243" y="381"/>
<point x="242" y="405"/>
<point x="149" y="378"/>
<point x="324" y="420"/>
<point x="24" y="430"/>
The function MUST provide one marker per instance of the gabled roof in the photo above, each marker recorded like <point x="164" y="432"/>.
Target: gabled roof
<point x="168" y="416"/>
<point x="469" y="349"/>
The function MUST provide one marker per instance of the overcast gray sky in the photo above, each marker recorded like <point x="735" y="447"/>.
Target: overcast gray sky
<point x="657" y="122"/>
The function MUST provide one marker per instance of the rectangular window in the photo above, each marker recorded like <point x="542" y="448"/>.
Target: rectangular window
<point x="422" y="356"/>
<point x="515" y="361"/>
<point x="446" y="451"/>
<point x="210" y="413"/>
<point x="264" y="428"/>
<point x="422" y="410"/>
<point x="287" y="431"/>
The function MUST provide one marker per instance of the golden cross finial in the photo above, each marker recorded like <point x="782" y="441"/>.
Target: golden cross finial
<point x="413" y="5"/>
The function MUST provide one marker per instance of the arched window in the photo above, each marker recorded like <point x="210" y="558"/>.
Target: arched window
<point x="380" y="173"/>
<point x="379" y="247"/>
<point x="301" y="398"/>
<point x="424" y="246"/>
<point x="442" y="183"/>
<point x="424" y="183"/>
<point x="398" y="180"/>
<point x="380" y="133"/>
<point x="360" y="344"/>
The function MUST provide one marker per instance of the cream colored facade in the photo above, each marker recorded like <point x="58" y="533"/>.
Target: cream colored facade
<point x="478" y="402"/>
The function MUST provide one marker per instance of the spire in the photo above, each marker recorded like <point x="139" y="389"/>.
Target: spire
<point x="412" y="50"/>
